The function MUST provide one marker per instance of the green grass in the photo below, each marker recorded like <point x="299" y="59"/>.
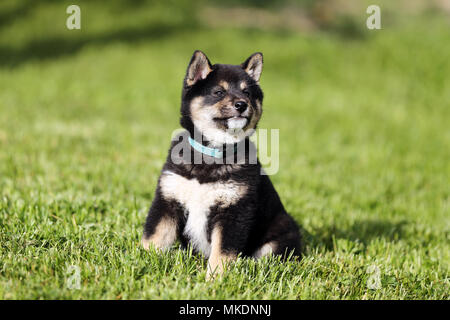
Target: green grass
<point x="85" y="122"/>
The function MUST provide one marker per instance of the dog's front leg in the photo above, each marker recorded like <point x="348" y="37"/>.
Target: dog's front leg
<point x="219" y="256"/>
<point x="162" y="224"/>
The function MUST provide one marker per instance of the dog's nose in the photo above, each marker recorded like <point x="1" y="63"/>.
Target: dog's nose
<point x="240" y="106"/>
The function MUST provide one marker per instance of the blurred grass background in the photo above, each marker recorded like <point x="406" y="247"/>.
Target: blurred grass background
<point x="86" y="116"/>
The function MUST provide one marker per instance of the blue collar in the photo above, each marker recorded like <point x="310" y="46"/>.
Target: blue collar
<point x="212" y="152"/>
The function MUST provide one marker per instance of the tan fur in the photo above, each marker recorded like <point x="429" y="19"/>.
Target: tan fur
<point x="258" y="106"/>
<point x="202" y="117"/>
<point x="218" y="259"/>
<point x="164" y="235"/>
<point x="224" y="85"/>
<point x="256" y="116"/>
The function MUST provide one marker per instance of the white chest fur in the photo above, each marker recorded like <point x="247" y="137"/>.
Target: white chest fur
<point x="197" y="198"/>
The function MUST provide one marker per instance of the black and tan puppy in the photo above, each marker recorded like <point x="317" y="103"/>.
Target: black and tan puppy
<point x="222" y="208"/>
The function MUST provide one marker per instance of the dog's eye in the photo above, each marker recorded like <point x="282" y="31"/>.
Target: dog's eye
<point x="246" y="92"/>
<point x="219" y="93"/>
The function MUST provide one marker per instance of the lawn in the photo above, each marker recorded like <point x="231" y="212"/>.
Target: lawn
<point x="85" y="123"/>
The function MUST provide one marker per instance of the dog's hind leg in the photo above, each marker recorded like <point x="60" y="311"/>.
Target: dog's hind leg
<point x="282" y="238"/>
<point x="265" y="250"/>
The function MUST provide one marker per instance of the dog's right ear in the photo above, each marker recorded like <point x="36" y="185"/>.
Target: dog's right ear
<point x="198" y="68"/>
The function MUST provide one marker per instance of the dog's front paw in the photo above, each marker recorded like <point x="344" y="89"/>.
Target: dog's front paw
<point x="210" y="275"/>
<point x="213" y="272"/>
<point x="145" y="243"/>
<point x="217" y="265"/>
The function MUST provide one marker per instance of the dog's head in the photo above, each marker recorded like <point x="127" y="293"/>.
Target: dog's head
<point x="222" y="102"/>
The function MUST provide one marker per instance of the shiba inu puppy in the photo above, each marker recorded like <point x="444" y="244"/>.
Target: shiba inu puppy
<point x="221" y="208"/>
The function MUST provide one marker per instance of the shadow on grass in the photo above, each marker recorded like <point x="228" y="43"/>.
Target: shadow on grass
<point x="363" y="232"/>
<point x="8" y="16"/>
<point x="48" y="47"/>
<point x="56" y="47"/>
<point x="24" y="7"/>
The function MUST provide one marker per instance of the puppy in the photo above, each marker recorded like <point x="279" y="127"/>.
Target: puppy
<point x="212" y="193"/>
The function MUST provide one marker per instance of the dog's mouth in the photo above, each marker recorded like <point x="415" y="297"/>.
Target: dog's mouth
<point x="235" y="122"/>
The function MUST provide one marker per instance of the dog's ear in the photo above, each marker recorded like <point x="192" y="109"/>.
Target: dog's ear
<point x="253" y="66"/>
<point x="198" y="68"/>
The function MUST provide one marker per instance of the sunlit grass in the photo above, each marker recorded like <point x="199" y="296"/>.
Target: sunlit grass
<point x="364" y="159"/>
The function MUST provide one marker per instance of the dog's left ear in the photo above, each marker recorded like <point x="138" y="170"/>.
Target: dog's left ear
<point x="253" y="66"/>
<point x="198" y="68"/>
